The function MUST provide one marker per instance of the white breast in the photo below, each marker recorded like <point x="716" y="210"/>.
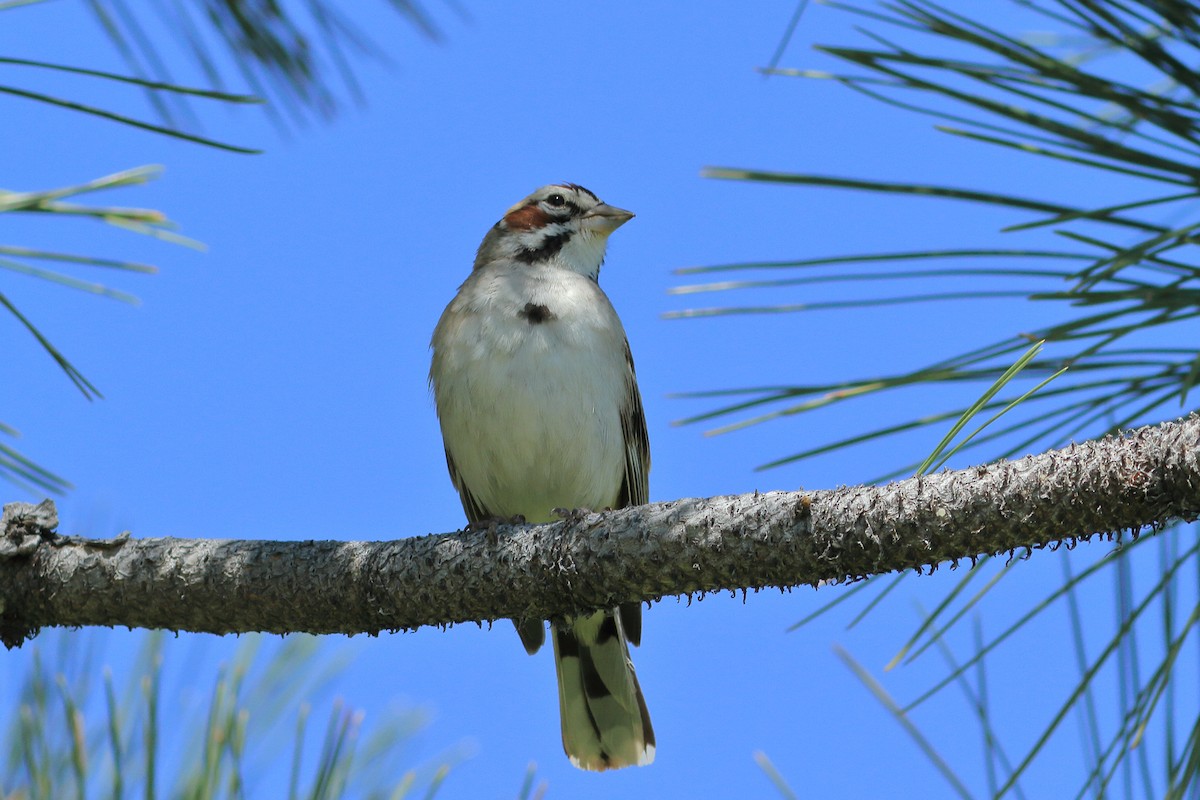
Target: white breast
<point x="530" y="412"/>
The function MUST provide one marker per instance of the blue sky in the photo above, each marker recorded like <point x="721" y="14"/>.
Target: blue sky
<point x="274" y="385"/>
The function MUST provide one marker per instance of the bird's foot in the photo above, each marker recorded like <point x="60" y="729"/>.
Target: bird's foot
<point x="571" y="514"/>
<point x="490" y="524"/>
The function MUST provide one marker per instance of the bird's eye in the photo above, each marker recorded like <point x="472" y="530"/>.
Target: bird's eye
<point x="556" y="200"/>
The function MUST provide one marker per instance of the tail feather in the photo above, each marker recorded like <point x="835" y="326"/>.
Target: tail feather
<point x="605" y="724"/>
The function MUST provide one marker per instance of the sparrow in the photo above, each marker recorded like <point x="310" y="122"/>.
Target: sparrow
<point x="539" y="408"/>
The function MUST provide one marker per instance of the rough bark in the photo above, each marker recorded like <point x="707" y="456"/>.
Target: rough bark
<point x="1142" y="479"/>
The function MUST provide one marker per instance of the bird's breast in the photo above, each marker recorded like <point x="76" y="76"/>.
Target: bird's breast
<point x="529" y="388"/>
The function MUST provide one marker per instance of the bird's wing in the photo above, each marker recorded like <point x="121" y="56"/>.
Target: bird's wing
<point x="474" y="510"/>
<point x="635" y="486"/>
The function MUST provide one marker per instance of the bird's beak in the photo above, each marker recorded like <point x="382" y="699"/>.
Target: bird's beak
<point x="604" y="219"/>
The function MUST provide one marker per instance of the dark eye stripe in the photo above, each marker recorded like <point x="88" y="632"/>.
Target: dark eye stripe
<point x="563" y="209"/>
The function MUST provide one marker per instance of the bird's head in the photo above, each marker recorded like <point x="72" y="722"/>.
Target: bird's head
<point x="564" y="224"/>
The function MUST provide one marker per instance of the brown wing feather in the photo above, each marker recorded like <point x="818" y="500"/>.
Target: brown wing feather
<point x="475" y="512"/>
<point x="635" y="487"/>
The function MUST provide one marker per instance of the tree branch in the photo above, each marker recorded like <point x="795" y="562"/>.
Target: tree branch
<point x="1147" y="478"/>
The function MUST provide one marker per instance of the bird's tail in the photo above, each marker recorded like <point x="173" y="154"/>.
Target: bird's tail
<point x="605" y="724"/>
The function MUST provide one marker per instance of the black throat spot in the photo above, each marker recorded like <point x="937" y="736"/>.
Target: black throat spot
<point x="535" y="314"/>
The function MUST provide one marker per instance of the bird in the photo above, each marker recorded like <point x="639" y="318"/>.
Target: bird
<point x="538" y="404"/>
